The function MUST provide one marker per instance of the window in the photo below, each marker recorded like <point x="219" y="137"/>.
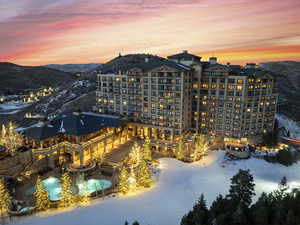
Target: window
<point x="231" y="81"/>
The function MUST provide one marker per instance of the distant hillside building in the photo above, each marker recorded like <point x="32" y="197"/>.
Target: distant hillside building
<point x="167" y="98"/>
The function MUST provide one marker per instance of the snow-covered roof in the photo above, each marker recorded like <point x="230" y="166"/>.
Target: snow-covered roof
<point x="75" y="124"/>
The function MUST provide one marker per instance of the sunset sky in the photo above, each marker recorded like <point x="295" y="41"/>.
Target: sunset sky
<point x="38" y="32"/>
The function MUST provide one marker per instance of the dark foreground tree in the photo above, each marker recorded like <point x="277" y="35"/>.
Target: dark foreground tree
<point x="279" y="207"/>
<point x="199" y="215"/>
<point x="241" y="189"/>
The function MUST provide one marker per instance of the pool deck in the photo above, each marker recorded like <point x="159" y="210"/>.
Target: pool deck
<point x="111" y="173"/>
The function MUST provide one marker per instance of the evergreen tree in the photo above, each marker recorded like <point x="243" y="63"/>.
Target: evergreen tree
<point x="242" y="188"/>
<point x="291" y="218"/>
<point x="270" y="139"/>
<point x="218" y="206"/>
<point x="85" y="197"/>
<point x="260" y="210"/>
<point x="123" y="180"/>
<point x="135" y="223"/>
<point x="201" y="147"/>
<point x="5" y="199"/>
<point x="3" y="135"/>
<point x="126" y="223"/>
<point x="132" y="180"/>
<point x="144" y="175"/>
<point x="147" y="154"/>
<point x="135" y="155"/>
<point x="67" y="197"/>
<point x="12" y="139"/>
<point x="198" y="215"/>
<point x="239" y="217"/>
<point x="280" y="193"/>
<point x="42" y="201"/>
<point x="179" y="149"/>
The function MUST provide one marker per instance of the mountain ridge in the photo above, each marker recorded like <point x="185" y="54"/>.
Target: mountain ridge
<point x="73" y="68"/>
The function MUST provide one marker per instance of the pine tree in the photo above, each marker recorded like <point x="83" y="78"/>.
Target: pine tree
<point x="5" y="199"/>
<point x="85" y="197"/>
<point x="42" y="201"/>
<point x="179" y="149"/>
<point x="67" y="198"/>
<point x="135" y="223"/>
<point x="132" y="180"/>
<point x="218" y="206"/>
<point x="123" y="180"/>
<point x="201" y="147"/>
<point x="147" y="154"/>
<point x="12" y="139"/>
<point x="3" y="135"/>
<point x="291" y="218"/>
<point x="260" y="210"/>
<point x="198" y="215"/>
<point x="144" y="175"/>
<point x="135" y="155"/>
<point x="241" y="188"/>
<point x="239" y="217"/>
<point x="280" y="193"/>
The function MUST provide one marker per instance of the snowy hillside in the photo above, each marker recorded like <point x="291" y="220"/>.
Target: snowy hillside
<point x="179" y="185"/>
<point x="74" y="68"/>
<point x="289" y="125"/>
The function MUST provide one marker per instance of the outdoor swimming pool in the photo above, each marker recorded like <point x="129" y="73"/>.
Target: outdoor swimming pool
<point x="52" y="185"/>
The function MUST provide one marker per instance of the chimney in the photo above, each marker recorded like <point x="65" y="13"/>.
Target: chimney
<point x="213" y="60"/>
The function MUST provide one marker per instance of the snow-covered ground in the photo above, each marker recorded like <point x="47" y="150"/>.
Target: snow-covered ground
<point x="12" y="107"/>
<point x="178" y="187"/>
<point x="289" y="125"/>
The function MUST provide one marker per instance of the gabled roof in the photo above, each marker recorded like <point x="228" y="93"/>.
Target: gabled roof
<point x="152" y="64"/>
<point x="184" y="55"/>
<point x="74" y="124"/>
<point x="213" y="67"/>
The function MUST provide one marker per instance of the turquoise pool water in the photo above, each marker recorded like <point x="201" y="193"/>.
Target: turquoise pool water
<point x="93" y="185"/>
<point x="52" y="185"/>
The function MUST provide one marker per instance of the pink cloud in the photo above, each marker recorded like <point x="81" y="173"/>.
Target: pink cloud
<point x="98" y="29"/>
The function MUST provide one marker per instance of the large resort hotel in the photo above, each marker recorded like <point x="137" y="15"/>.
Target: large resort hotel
<point x="179" y="96"/>
<point x="163" y="100"/>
